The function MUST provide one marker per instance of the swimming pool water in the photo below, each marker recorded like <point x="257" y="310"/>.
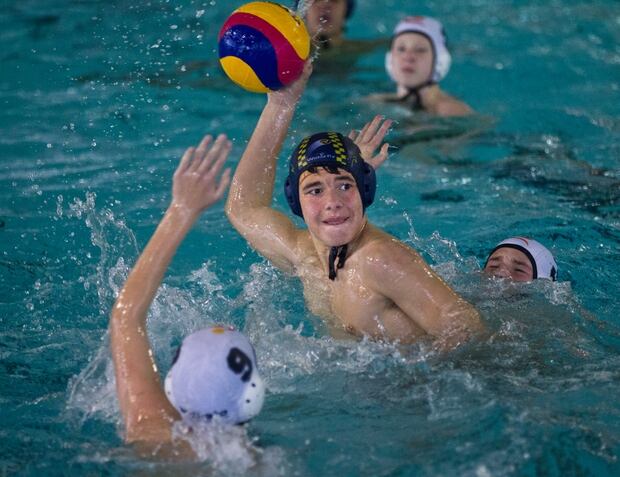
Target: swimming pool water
<point x="99" y="100"/>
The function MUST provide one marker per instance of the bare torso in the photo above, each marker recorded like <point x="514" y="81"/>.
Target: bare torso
<point x="348" y="304"/>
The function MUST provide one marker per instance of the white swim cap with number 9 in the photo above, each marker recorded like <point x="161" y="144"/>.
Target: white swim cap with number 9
<point x="215" y="374"/>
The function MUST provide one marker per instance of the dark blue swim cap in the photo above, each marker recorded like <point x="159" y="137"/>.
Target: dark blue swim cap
<point x="329" y="149"/>
<point x="350" y="7"/>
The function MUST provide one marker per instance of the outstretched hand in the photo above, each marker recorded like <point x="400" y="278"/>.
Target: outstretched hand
<point x="370" y="137"/>
<point x="195" y="185"/>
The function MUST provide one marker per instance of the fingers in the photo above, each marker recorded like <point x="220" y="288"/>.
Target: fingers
<point x="385" y="127"/>
<point x="200" y="159"/>
<point x="367" y="127"/>
<point x="223" y="185"/>
<point x="375" y="130"/>
<point x="203" y="147"/>
<point x="381" y="157"/>
<point x="185" y="160"/>
<point x="214" y="159"/>
<point x="199" y="153"/>
<point x="206" y="160"/>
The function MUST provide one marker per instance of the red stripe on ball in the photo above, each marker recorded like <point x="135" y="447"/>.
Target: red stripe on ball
<point x="290" y="65"/>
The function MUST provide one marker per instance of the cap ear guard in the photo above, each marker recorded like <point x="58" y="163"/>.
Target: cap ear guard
<point x="443" y="59"/>
<point x="369" y="185"/>
<point x="350" y="7"/>
<point x="434" y="31"/>
<point x="292" y="195"/>
<point x="388" y="65"/>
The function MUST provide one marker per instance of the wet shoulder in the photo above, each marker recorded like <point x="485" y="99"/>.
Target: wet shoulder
<point x="384" y="254"/>
<point x="451" y="106"/>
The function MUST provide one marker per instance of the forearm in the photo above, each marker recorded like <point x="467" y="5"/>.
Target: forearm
<point x="137" y="379"/>
<point x="147" y="412"/>
<point x="253" y="182"/>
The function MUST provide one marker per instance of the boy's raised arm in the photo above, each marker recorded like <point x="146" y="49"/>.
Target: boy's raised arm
<point x="147" y="413"/>
<point x="248" y="206"/>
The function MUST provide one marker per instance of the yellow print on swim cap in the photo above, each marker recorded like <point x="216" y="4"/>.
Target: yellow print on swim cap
<point x="339" y="149"/>
<point x="301" y="154"/>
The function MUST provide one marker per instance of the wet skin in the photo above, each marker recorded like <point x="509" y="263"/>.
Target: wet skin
<point x="332" y="206"/>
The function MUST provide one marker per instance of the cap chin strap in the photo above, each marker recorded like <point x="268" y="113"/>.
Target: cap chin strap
<point x="413" y="98"/>
<point x="323" y="41"/>
<point x="340" y="253"/>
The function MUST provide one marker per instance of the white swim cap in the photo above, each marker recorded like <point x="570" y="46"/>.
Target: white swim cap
<point x="215" y="374"/>
<point x="433" y="30"/>
<point x="543" y="264"/>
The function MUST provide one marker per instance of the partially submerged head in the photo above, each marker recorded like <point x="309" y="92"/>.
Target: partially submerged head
<point x="418" y="54"/>
<point x="521" y="259"/>
<point x="326" y="18"/>
<point x="214" y="375"/>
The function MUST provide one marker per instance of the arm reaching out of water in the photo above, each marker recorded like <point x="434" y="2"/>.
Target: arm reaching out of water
<point x="249" y="207"/>
<point x="147" y="412"/>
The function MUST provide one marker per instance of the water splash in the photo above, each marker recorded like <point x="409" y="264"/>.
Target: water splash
<point x="113" y="239"/>
<point x="230" y="451"/>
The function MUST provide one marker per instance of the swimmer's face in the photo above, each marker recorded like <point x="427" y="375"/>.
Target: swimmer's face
<point x="412" y="59"/>
<point x="326" y="17"/>
<point x="331" y="205"/>
<point x="510" y="263"/>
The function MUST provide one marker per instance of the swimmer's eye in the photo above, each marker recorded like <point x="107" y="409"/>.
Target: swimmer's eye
<point x="313" y="191"/>
<point x="345" y="186"/>
<point x="421" y="50"/>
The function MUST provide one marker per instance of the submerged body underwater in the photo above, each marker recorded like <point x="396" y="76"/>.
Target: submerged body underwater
<point x="99" y="102"/>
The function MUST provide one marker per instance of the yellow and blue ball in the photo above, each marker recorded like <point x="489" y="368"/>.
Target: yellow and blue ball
<point x="263" y="46"/>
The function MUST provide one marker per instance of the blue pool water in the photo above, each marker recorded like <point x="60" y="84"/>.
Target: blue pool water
<point x="99" y="99"/>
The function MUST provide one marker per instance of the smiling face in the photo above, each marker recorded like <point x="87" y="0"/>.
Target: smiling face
<point x="412" y="59"/>
<point x="326" y="17"/>
<point x="331" y="205"/>
<point x="508" y="262"/>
